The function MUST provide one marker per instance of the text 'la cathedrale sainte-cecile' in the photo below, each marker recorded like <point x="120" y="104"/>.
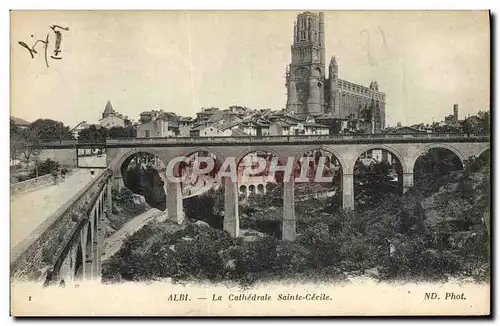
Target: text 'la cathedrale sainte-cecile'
<point x="253" y="297"/>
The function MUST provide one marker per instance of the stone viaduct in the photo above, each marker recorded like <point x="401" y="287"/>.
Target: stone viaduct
<point x="347" y="149"/>
<point x="70" y="243"/>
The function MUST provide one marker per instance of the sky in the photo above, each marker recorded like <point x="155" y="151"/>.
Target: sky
<point x="181" y="61"/>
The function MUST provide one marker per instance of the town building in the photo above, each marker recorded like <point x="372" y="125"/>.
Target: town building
<point x="279" y="128"/>
<point x="310" y="92"/>
<point x="111" y="118"/>
<point x="452" y="120"/>
<point x="376" y="155"/>
<point x="157" y="123"/>
<point x="185" y="126"/>
<point x="408" y="130"/>
<point x="20" y="123"/>
<point x="209" y="131"/>
<point x="80" y="126"/>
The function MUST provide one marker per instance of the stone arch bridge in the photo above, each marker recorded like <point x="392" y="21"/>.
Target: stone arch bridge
<point x="346" y="149"/>
<point x="70" y="245"/>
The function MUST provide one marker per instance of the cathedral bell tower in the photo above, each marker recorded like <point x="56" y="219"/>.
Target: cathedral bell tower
<point x="306" y="74"/>
<point x="333" y="77"/>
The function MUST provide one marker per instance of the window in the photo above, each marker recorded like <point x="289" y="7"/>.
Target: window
<point x="147" y="133"/>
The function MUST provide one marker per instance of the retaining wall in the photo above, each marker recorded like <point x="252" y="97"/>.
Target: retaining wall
<point x="31" y="184"/>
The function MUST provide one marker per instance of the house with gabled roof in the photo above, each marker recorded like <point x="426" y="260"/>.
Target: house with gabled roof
<point x="111" y="118"/>
<point x="209" y="131"/>
<point x="82" y="125"/>
<point x="279" y="128"/>
<point x="20" y="123"/>
<point x="158" y="123"/>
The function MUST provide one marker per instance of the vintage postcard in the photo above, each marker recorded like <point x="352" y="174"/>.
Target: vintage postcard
<point x="250" y="163"/>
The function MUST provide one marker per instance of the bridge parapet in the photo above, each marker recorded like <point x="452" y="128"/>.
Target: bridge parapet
<point x="221" y="140"/>
<point x="341" y="139"/>
<point x="45" y="249"/>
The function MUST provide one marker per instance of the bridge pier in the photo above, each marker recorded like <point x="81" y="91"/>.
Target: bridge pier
<point x="86" y="258"/>
<point x="175" y="210"/>
<point x="96" y="235"/>
<point x="109" y="197"/>
<point x="407" y="181"/>
<point x="118" y="182"/>
<point x="101" y="231"/>
<point x="231" y="214"/>
<point x="289" y="221"/>
<point x="347" y="191"/>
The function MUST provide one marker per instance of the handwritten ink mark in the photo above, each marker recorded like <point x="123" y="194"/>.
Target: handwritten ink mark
<point x="368" y="47"/>
<point x="371" y="60"/>
<point x="58" y="39"/>
<point x="57" y="49"/>
<point x="30" y="50"/>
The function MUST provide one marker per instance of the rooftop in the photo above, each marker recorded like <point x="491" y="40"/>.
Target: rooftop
<point x="108" y="108"/>
<point x="20" y="122"/>
<point x="314" y="124"/>
<point x="238" y="132"/>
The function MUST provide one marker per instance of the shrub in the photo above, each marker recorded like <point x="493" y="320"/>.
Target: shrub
<point x="125" y="198"/>
<point x="46" y="167"/>
<point x="292" y="257"/>
<point x="200" y="256"/>
<point x="21" y="178"/>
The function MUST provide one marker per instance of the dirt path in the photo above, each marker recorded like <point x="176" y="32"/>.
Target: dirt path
<point x="113" y="243"/>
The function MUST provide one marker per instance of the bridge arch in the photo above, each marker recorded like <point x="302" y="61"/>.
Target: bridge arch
<point x="427" y="148"/>
<point x="241" y="155"/>
<point x="193" y="150"/>
<point x="390" y="149"/>
<point x="331" y="189"/>
<point x="130" y="153"/>
<point x="330" y="149"/>
<point x="481" y="151"/>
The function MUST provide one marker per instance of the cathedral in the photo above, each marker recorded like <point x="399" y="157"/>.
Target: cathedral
<point x="311" y="93"/>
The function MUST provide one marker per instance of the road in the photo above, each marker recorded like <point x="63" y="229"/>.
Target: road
<point x="92" y="161"/>
<point x="28" y="210"/>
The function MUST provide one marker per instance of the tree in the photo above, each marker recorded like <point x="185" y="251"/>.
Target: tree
<point x="432" y="170"/>
<point x="447" y="129"/>
<point x="93" y="135"/>
<point x="14" y="129"/>
<point x="28" y="144"/>
<point x="46" y="167"/>
<point x="485" y="118"/>
<point x="208" y="207"/>
<point x="121" y="132"/>
<point x="47" y="129"/>
<point x="16" y="140"/>
<point x="372" y="182"/>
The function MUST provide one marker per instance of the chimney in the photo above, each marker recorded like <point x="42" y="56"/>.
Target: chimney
<point x="455" y="112"/>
